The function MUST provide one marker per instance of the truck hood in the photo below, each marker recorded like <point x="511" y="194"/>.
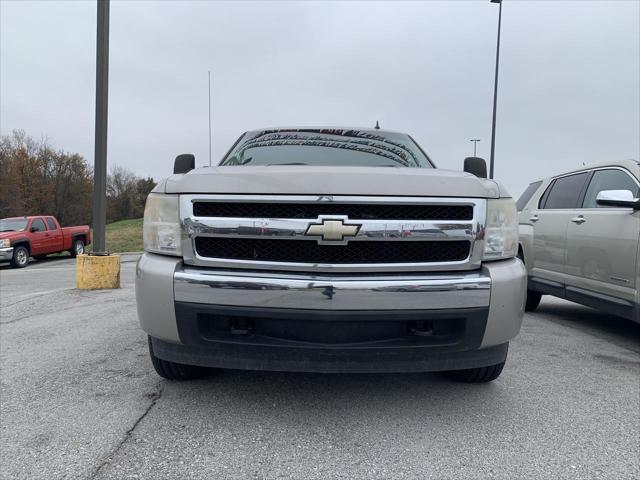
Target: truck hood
<point x="12" y="235"/>
<point x="310" y="180"/>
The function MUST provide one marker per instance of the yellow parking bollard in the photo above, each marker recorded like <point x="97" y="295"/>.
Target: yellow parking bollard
<point x="94" y="272"/>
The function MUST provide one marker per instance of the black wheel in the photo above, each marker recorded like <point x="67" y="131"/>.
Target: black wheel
<point x="77" y="248"/>
<point x="533" y="300"/>
<point x="477" y="375"/>
<point x="175" y="371"/>
<point x="533" y="297"/>
<point x="20" y="257"/>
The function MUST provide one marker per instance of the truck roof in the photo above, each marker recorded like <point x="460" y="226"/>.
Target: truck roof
<point x="327" y="129"/>
<point x="27" y="217"/>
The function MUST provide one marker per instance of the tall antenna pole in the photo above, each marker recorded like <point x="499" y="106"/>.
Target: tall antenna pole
<point x="209" y="117"/>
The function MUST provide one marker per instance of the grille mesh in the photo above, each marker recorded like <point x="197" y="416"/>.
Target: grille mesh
<point x="309" y="251"/>
<point x="353" y="211"/>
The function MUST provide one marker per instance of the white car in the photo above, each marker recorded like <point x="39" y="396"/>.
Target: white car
<point x="580" y="236"/>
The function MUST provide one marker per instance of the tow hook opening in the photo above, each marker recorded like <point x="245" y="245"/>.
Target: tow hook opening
<point x="240" y="325"/>
<point x="422" y="328"/>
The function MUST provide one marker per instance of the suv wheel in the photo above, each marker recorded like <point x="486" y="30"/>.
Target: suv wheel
<point x="20" y="257"/>
<point x="477" y="375"/>
<point x="174" y="371"/>
<point x="533" y="297"/>
<point x="533" y="300"/>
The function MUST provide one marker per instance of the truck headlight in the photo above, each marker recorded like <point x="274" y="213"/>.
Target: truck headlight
<point x="501" y="230"/>
<point x="162" y="232"/>
<point x="5" y="243"/>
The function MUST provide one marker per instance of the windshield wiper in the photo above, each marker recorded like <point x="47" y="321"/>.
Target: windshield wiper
<point x="291" y="163"/>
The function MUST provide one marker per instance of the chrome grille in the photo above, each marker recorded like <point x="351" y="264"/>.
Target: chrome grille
<point x="271" y="232"/>
<point x="309" y="251"/>
<point x="312" y="210"/>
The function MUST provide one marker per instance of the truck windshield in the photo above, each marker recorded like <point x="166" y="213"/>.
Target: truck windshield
<point x="327" y="147"/>
<point x="13" y="224"/>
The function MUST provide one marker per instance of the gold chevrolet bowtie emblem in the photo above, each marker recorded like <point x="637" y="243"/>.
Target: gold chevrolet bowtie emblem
<point x="332" y="230"/>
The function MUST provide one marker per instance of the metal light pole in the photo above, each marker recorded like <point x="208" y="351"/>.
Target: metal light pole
<point x="475" y="142"/>
<point x="209" y="118"/>
<point x="495" y="92"/>
<point x="100" y="153"/>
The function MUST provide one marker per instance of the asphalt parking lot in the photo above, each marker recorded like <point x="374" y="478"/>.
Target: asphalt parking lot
<point x="79" y="399"/>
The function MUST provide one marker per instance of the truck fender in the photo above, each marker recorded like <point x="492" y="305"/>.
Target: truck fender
<point x="80" y="236"/>
<point x="22" y="242"/>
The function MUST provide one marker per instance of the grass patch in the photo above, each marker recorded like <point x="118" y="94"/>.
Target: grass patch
<point x="122" y="236"/>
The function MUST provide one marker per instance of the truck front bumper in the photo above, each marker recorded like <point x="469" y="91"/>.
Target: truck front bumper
<point x="305" y="322"/>
<point x="6" y="254"/>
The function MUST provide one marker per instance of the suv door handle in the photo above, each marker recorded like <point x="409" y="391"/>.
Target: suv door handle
<point x="579" y="219"/>
<point x="534" y="218"/>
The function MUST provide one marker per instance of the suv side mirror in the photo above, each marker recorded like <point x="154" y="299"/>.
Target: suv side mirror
<point x="618" y="198"/>
<point x="476" y="166"/>
<point x="184" y="163"/>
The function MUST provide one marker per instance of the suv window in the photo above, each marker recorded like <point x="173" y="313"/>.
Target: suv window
<point x="51" y="223"/>
<point x="565" y="191"/>
<point x="612" y="179"/>
<point x="38" y="225"/>
<point x="527" y="194"/>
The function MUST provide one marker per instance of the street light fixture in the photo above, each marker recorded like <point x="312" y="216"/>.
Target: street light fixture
<point x="475" y="142"/>
<point x="495" y="92"/>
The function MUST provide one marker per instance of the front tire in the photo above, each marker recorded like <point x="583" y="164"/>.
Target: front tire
<point x="77" y="248"/>
<point x="174" y="371"/>
<point x="477" y="375"/>
<point x="20" y="257"/>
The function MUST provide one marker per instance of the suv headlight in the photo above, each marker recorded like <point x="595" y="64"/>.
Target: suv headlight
<point x="161" y="231"/>
<point x="5" y="243"/>
<point x="501" y="230"/>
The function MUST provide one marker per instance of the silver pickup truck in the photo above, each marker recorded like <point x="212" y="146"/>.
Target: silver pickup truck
<point x="330" y="250"/>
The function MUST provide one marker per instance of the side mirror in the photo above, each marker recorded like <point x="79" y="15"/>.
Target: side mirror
<point x="184" y="163"/>
<point x="476" y="166"/>
<point x="618" y="198"/>
<point x="33" y="229"/>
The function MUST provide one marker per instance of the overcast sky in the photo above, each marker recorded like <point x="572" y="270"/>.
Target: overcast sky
<point x="569" y="77"/>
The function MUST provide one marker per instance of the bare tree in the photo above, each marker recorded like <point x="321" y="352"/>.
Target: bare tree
<point x="35" y="179"/>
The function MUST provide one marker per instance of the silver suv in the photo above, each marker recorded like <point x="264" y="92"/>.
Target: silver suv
<point x="580" y="235"/>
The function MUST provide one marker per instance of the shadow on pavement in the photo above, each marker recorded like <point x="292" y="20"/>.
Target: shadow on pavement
<point x="593" y="321"/>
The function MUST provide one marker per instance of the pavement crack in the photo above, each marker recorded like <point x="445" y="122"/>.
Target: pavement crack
<point x="58" y="310"/>
<point x="32" y="296"/>
<point x="154" y="397"/>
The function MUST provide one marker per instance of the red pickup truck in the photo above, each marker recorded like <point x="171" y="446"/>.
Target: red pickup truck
<point x="24" y="237"/>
